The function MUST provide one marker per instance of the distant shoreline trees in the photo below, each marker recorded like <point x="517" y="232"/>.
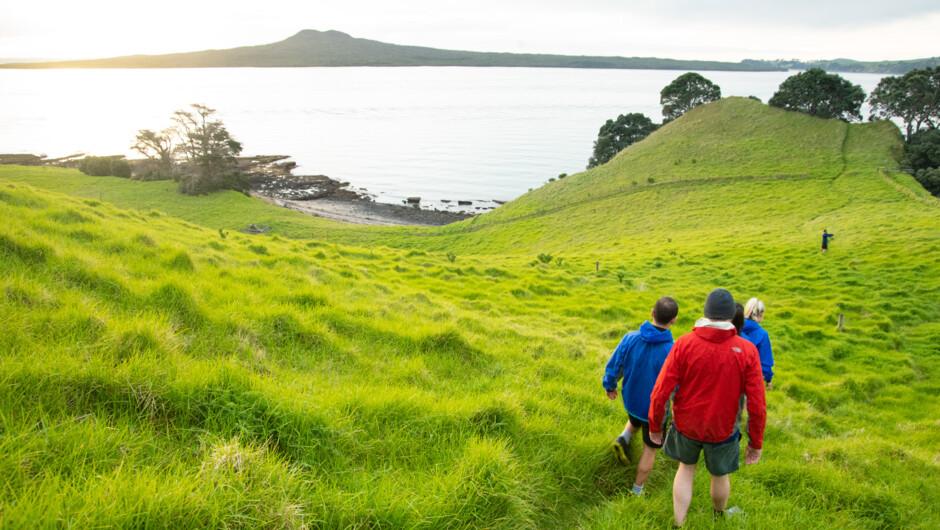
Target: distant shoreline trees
<point x="199" y="153"/>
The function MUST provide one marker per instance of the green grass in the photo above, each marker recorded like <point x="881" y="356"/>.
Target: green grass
<point x="154" y="374"/>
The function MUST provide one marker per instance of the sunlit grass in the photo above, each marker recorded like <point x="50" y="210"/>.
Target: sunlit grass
<point x="156" y="374"/>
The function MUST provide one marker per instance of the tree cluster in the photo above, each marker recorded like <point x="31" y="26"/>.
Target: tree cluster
<point x="197" y="152"/>
<point x="914" y="98"/>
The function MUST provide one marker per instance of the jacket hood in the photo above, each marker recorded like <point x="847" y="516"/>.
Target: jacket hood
<point x="714" y="331"/>
<point x="649" y="333"/>
<point x="750" y="325"/>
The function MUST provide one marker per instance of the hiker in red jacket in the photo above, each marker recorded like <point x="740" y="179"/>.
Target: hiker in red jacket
<point x="712" y="371"/>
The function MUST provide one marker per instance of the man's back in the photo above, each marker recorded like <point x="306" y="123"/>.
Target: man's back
<point x="638" y="359"/>
<point x="714" y="369"/>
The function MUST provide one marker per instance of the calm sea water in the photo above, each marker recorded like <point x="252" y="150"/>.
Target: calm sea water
<point x="479" y="134"/>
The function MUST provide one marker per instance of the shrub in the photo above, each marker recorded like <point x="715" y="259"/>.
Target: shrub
<point x="95" y="166"/>
<point x="120" y="168"/>
<point x="545" y="258"/>
<point x="105" y="166"/>
<point x="151" y="170"/>
<point x="922" y="151"/>
<point x="930" y="180"/>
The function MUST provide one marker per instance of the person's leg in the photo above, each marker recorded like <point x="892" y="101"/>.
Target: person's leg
<point x="720" y="491"/>
<point x="647" y="459"/>
<point x="682" y="492"/>
<point x="628" y="431"/>
<point x="645" y="466"/>
<point x="633" y="425"/>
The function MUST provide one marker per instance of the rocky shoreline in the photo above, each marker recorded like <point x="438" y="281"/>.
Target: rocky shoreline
<point x="272" y="180"/>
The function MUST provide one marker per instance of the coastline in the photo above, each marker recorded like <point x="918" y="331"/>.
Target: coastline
<point x="366" y="212"/>
<point x="318" y="195"/>
<point x="271" y="180"/>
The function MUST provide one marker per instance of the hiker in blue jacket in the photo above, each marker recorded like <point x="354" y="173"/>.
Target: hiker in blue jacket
<point x="754" y="315"/>
<point x="825" y="240"/>
<point x="637" y="360"/>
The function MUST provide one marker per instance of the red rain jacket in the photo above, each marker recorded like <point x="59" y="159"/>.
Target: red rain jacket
<point x="714" y="369"/>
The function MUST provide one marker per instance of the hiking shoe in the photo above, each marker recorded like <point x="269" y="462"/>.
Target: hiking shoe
<point x="731" y="512"/>
<point x="620" y="450"/>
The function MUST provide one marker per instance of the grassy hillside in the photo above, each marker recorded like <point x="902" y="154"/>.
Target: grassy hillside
<point x="156" y="374"/>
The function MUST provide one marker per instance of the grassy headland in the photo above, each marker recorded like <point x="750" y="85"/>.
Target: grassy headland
<point x="156" y="374"/>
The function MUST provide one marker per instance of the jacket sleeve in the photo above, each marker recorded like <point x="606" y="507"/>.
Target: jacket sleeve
<point x="614" y="370"/>
<point x="767" y="358"/>
<point x="666" y="382"/>
<point x="756" y="401"/>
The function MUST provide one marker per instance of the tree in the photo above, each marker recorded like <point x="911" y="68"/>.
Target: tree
<point x="615" y="136"/>
<point x="913" y="97"/>
<point x="922" y="150"/>
<point x="819" y="94"/>
<point x="158" y="148"/>
<point x="685" y="93"/>
<point x="209" y="152"/>
<point x="922" y="158"/>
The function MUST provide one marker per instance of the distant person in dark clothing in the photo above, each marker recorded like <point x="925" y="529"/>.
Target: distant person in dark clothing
<point x="637" y="360"/>
<point x="825" y="240"/>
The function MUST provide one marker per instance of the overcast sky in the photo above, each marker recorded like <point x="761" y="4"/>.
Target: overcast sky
<point x="727" y="30"/>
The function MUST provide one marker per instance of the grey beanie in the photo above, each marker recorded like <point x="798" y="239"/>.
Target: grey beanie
<point x="719" y="305"/>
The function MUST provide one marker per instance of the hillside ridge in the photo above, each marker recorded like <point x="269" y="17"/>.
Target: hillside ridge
<point x="312" y="48"/>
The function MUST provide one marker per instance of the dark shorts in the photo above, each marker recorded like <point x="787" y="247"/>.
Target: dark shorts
<point x="640" y="424"/>
<point x="720" y="458"/>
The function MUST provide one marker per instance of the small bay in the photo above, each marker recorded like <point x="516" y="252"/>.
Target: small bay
<point x="440" y="133"/>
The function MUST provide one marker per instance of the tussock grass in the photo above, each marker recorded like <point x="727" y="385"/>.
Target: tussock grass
<point x="153" y="374"/>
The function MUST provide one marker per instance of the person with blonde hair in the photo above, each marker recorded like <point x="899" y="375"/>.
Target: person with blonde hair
<point x="754" y="315"/>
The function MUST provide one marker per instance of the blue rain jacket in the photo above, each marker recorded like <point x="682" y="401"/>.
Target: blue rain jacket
<point x="758" y="337"/>
<point x="637" y="360"/>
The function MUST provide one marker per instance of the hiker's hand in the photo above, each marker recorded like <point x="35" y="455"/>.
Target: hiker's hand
<point x="656" y="438"/>
<point x="611" y="394"/>
<point x="751" y="455"/>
